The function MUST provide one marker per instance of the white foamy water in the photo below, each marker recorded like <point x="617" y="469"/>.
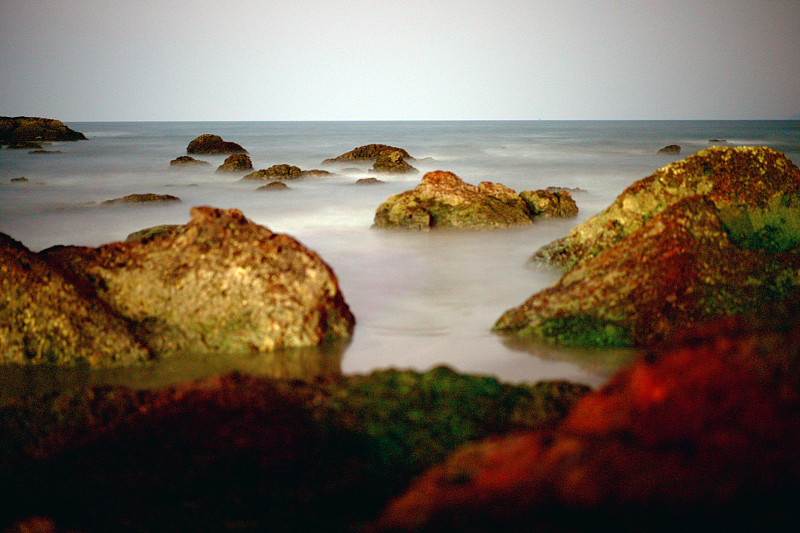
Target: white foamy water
<point x="420" y="299"/>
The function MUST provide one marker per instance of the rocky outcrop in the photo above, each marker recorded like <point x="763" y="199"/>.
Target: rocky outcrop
<point x="369" y="152"/>
<point x="670" y="149"/>
<point x="274" y="186"/>
<point x="187" y="161"/>
<point x="550" y="204"/>
<point x="212" y="455"/>
<point x="213" y="144"/>
<point x="143" y="198"/>
<point x="45" y="318"/>
<point x="711" y="235"/>
<point x="391" y="161"/>
<point x="275" y="172"/>
<point x="368" y="181"/>
<point x="442" y="199"/>
<point x="701" y="433"/>
<point x="236" y="163"/>
<point x="22" y="130"/>
<point x="219" y="284"/>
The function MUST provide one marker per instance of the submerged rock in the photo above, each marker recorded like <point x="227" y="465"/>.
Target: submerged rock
<point x="143" y="199"/>
<point x="670" y="149"/>
<point x="274" y="186"/>
<point x="550" y="203"/>
<point x="213" y="144"/>
<point x="22" y="130"/>
<point x="369" y="152"/>
<point x="369" y="181"/>
<point x="236" y="163"/>
<point x="45" y="318"/>
<point x="392" y="161"/>
<point x="442" y="199"/>
<point x="269" y="454"/>
<point x="275" y="172"/>
<point x="188" y="161"/>
<point x="701" y="433"/>
<point x="714" y="234"/>
<point x="219" y="284"/>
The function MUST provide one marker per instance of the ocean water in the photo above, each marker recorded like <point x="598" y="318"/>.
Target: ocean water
<point x="420" y="298"/>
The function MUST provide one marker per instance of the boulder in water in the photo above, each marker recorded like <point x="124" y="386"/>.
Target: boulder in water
<point x="213" y="144"/>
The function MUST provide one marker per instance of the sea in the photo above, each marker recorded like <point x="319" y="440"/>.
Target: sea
<point x="421" y="299"/>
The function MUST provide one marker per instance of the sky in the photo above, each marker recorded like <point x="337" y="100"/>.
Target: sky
<point x="112" y="60"/>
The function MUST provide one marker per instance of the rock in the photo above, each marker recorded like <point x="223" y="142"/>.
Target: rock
<point x="187" y="161"/>
<point x="274" y="186"/>
<point x="44" y="152"/>
<point x="21" y="130"/>
<point x="670" y="149"/>
<point x="25" y="145"/>
<point x="717" y="141"/>
<point x="143" y="198"/>
<point x="236" y="163"/>
<point x="369" y="181"/>
<point x="258" y="454"/>
<point x="701" y="433"/>
<point x="442" y="199"/>
<point x="275" y="172"/>
<point x="219" y="284"/>
<point x="213" y="144"/>
<point x="154" y="232"/>
<point x="392" y="161"/>
<point x="21" y="179"/>
<point x="369" y="152"/>
<point x="46" y="318"/>
<point x="316" y="173"/>
<point x="551" y="204"/>
<point x="711" y="235"/>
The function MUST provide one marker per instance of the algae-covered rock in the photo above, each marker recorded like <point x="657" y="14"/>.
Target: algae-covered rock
<point x="393" y="162"/>
<point x="267" y="454"/>
<point x="550" y="204"/>
<point x="236" y="163"/>
<point x="218" y="284"/>
<point x="213" y="144"/>
<point x="369" y="152"/>
<point x="23" y="130"/>
<point x="442" y="199"/>
<point x="700" y="433"/>
<point x="187" y="161"/>
<point x="45" y="318"/>
<point x="275" y="172"/>
<point x="735" y="179"/>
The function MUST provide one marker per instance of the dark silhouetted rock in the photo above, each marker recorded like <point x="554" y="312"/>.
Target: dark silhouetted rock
<point x="551" y="204"/>
<point x="21" y="130"/>
<point x="144" y="198"/>
<point x="213" y="144"/>
<point x="236" y="163"/>
<point x="21" y="179"/>
<point x="670" y="149"/>
<point x="392" y="161"/>
<point x="44" y="152"/>
<point x="219" y="284"/>
<point x="442" y="199"/>
<point x="46" y="318"/>
<point x="369" y="152"/>
<point x="188" y="161"/>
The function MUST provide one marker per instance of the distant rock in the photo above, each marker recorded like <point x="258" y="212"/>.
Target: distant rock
<point x="213" y="144"/>
<point x="316" y="173"/>
<point x="550" y="204"/>
<point x="274" y="186"/>
<point x="369" y="181"/>
<point x="391" y="161"/>
<point x="219" y="284"/>
<point x="369" y="152"/>
<point x="21" y="179"/>
<point x="21" y="130"/>
<point x="154" y="232"/>
<point x="442" y="199"/>
<point x="44" y="152"/>
<point x="275" y="172"/>
<point x="25" y="145"/>
<point x="717" y="141"/>
<point x="143" y="198"/>
<point x="713" y="234"/>
<point x="670" y="149"/>
<point x="46" y="318"/>
<point x="188" y="161"/>
<point x="236" y="163"/>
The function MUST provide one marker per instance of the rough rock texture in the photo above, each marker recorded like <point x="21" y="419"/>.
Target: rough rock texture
<point x="213" y="144"/>
<point x="551" y="204"/>
<point x="21" y="130"/>
<point x="392" y="161"/>
<point x="242" y="453"/>
<point x="236" y="163"/>
<point x="144" y="198"/>
<point x="45" y="318"/>
<point x="188" y="161"/>
<point x="670" y="149"/>
<point x="369" y="152"/>
<point x="275" y="172"/>
<point x="217" y="284"/>
<point x="754" y="188"/>
<point x="442" y="199"/>
<point x="700" y="434"/>
<point x="274" y="186"/>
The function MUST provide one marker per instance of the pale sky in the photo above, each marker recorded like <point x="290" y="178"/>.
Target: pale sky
<point x="399" y="60"/>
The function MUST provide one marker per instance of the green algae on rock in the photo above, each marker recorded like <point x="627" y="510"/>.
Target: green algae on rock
<point x="677" y="248"/>
<point x="45" y="318"/>
<point x="217" y="284"/>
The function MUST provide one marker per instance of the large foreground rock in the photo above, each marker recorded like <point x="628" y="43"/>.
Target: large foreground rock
<point x="711" y="235"/>
<point x="21" y="130"/>
<point x="213" y="144"/>
<point x="219" y="284"/>
<point x="700" y="434"/>
<point x="442" y="199"/>
<point x="44" y="318"/>
<point x="242" y="453"/>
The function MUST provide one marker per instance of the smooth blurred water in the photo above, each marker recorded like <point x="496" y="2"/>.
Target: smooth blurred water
<point x="420" y="299"/>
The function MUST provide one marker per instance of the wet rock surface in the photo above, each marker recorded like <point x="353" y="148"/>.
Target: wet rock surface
<point x="28" y="131"/>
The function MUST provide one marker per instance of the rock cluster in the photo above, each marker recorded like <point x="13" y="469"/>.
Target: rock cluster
<point x="713" y="234"/>
<point x="213" y="144"/>
<point x="19" y="131"/>
<point x="442" y="199"/>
